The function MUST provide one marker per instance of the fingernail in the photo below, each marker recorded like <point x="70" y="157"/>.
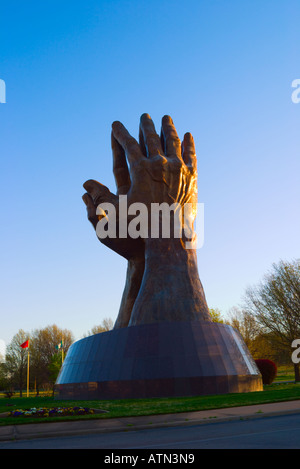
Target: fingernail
<point x="188" y="135"/>
<point x="145" y="116"/>
<point x="168" y="119"/>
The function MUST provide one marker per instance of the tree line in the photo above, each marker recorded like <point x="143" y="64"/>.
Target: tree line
<point x="47" y="348"/>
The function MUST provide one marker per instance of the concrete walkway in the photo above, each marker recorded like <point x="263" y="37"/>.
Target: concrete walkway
<point x="54" y="429"/>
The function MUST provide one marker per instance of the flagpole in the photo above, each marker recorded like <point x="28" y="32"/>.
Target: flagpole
<point x="28" y="371"/>
<point x="26" y="345"/>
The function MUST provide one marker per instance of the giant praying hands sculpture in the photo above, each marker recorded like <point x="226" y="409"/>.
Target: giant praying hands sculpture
<point x="172" y="347"/>
<point x="162" y="281"/>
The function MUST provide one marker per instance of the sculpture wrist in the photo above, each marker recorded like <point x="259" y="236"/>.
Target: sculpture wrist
<point x="171" y="288"/>
<point x="168" y="251"/>
<point x="134" y="275"/>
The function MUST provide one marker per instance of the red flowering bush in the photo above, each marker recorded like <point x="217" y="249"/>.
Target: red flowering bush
<point x="268" y="370"/>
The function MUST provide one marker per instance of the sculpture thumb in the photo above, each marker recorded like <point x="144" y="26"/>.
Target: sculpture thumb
<point x="91" y="209"/>
<point x="97" y="191"/>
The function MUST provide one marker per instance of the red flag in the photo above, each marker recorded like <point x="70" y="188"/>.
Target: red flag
<point x="25" y="344"/>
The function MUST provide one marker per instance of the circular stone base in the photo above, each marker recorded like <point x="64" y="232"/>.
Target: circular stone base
<point x="158" y="360"/>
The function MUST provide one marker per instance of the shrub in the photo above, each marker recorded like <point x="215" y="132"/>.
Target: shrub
<point x="268" y="370"/>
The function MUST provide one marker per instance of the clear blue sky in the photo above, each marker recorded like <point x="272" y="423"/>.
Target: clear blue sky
<point x="222" y="69"/>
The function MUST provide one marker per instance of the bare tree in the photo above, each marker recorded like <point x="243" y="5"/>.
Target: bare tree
<point x="216" y="315"/>
<point x="257" y="341"/>
<point x="106" y="325"/>
<point x="43" y="347"/>
<point x="275" y="304"/>
<point x="246" y="324"/>
<point x="43" y="344"/>
<point x="16" y="361"/>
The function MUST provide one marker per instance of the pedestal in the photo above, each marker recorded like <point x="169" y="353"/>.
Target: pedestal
<point x="158" y="360"/>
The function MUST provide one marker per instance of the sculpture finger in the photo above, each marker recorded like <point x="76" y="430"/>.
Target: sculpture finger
<point x="120" y="167"/>
<point x="142" y="142"/>
<point x="150" y="137"/>
<point x="172" y="144"/>
<point x="128" y="143"/>
<point x="91" y="209"/>
<point x="189" y="151"/>
<point x="98" y="192"/>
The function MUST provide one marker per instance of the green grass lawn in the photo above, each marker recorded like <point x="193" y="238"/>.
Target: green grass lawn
<point x="285" y="373"/>
<point x="134" y="407"/>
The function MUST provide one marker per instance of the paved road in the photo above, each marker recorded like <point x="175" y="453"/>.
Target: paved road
<point x="265" y="432"/>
